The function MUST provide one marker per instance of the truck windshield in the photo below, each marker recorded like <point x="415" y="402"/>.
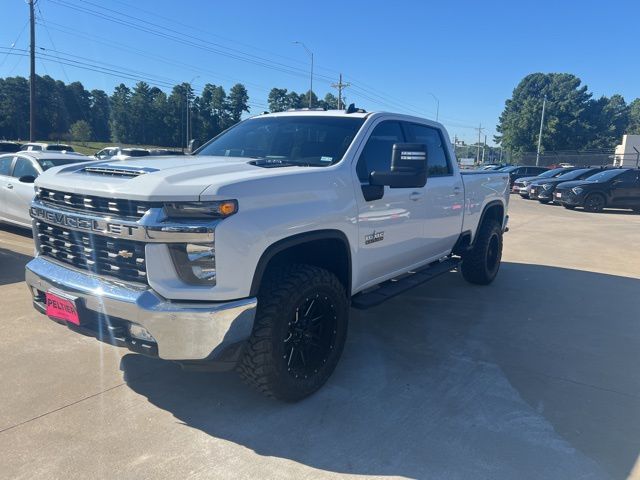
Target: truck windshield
<point x="287" y="140"/>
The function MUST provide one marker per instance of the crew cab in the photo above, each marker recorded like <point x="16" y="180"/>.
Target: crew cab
<point x="612" y="188"/>
<point x="250" y="253"/>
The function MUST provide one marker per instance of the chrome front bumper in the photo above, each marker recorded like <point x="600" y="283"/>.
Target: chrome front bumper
<point x="182" y="330"/>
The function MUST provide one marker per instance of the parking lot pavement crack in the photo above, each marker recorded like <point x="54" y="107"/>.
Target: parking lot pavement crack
<point x="62" y="407"/>
<point x="576" y="382"/>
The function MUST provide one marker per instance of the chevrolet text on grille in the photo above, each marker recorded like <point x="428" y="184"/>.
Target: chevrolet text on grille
<point x="152" y="227"/>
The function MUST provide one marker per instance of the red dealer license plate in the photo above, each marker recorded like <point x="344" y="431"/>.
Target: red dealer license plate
<point x="62" y="308"/>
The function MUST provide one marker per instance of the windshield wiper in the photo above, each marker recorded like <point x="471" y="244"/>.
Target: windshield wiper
<point x="273" y="163"/>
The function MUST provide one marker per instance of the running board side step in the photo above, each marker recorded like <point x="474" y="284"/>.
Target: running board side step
<point x="396" y="286"/>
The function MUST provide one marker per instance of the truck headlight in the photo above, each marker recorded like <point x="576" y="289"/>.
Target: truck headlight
<point x="201" y="210"/>
<point x="195" y="263"/>
<point x="577" y="190"/>
<point x="547" y="186"/>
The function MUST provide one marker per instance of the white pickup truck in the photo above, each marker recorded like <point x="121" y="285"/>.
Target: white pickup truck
<point x="250" y="253"/>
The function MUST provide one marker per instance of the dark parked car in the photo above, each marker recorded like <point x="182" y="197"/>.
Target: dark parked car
<point x="615" y="188"/>
<point x="521" y="185"/>
<point x="544" y="188"/>
<point x="9" y="147"/>
<point x="515" y="172"/>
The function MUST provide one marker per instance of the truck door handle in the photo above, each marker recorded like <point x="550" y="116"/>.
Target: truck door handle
<point x="415" y="196"/>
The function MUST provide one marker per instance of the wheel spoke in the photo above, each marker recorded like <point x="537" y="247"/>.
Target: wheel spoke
<point x="290" y="357"/>
<point x="309" y="309"/>
<point x="302" y="358"/>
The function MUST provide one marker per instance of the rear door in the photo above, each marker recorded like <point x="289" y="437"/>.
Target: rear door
<point x="444" y="192"/>
<point x="19" y="195"/>
<point x="625" y="190"/>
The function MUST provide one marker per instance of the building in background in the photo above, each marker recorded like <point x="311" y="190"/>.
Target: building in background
<point x="626" y="155"/>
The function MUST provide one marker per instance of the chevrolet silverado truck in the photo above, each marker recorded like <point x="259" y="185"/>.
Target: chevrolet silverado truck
<point x="250" y="253"/>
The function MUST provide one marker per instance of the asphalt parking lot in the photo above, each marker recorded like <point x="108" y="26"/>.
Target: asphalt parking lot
<point x="535" y="376"/>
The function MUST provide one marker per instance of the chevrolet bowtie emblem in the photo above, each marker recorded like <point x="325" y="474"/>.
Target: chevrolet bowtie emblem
<point x="125" y="254"/>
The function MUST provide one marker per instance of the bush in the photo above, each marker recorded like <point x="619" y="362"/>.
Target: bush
<point x="80" y="131"/>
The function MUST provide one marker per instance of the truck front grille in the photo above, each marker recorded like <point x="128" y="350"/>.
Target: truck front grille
<point x="122" y="259"/>
<point x="95" y="205"/>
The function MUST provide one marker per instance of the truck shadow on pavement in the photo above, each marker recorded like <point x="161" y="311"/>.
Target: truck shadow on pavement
<point x="533" y="377"/>
<point x="12" y="266"/>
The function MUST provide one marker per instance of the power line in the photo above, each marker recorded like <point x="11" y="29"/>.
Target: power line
<point x="16" y="41"/>
<point x="185" y="39"/>
<point x="163" y="60"/>
<point x="358" y="89"/>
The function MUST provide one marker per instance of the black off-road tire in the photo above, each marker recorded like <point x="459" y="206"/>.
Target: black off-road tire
<point x="569" y="207"/>
<point x="480" y="265"/>
<point x="595" y="203"/>
<point x="266" y="362"/>
<point x="544" y="202"/>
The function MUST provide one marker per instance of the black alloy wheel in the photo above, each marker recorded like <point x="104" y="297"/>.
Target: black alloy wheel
<point x="594" y="203"/>
<point x="311" y="336"/>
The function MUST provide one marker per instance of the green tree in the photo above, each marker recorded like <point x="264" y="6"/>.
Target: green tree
<point x="77" y="101"/>
<point x="99" y="116"/>
<point x="140" y="113"/>
<point x="566" y="122"/>
<point x="120" y="114"/>
<point x="607" y="121"/>
<point x="633" y="127"/>
<point x="277" y="100"/>
<point x="14" y="108"/>
<point x="238" y="98"/>
<point x="80" y="131"/>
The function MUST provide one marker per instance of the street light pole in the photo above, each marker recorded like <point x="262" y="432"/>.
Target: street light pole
<point x="437" y="105"/>
<point x="544" y="104"/>
<point x="32" y="75"/>
<point x="311" y="82"/>
<point x="189" y="130"/>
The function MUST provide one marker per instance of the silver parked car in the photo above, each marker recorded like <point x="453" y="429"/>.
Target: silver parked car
<point x="17" y="174"/>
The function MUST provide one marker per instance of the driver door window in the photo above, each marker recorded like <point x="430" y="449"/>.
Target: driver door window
<point x="24" y="167"/>
<point x="376" y="155"/>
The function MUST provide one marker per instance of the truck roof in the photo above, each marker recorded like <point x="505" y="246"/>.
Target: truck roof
<point x="343" y="114"/>
<point x="316" y="113"/>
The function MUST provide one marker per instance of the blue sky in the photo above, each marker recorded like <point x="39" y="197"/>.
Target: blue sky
<point x="469" y="54"/>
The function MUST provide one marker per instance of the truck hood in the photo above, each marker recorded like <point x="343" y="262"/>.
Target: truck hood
<point x="179" y="178"/>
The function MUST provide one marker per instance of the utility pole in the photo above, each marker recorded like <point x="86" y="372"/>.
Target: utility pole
<point x="311" y="87"/>
<point x="32" y="75"/>
<point x="484" y="145"/>
<point x="437" y="105"/>
<point x="480" y="129"/>
<point x="340" y="86"/>
<point x="544" y="104"/>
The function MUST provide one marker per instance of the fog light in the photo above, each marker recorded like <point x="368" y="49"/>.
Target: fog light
<point x="140" y="333"/>
<point x="195" y="263"/>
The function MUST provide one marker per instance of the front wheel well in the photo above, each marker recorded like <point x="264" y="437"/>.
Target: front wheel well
<point x="328" y="250"/>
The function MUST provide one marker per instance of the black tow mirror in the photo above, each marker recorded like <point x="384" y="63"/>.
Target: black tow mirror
<point x="408" y="167"/>
<point x="27" y="179"/>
